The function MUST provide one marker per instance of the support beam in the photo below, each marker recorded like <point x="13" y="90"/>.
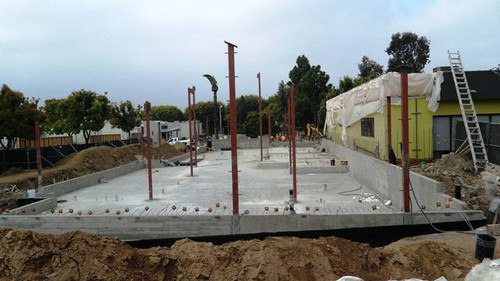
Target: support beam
<point x="38" y="154"/>
<point x="232" y="105"/>
<point x="389" y="125"/>
<point x="147" y="107"/>
<point x="190" y="132"/>
<point x="289" y="126"/>
<point x="294" y="151"/>
<point x="159" y="140"/>
<point x="193" y="91"/>
<point x="269" y="123"/>
<point x="405" y="147"/>
<point x="260" y="118"/>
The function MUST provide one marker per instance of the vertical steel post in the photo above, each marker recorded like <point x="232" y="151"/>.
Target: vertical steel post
<point x="38" y="154"/>
<point x="269" y="123"/>
<point x="232" y="105"/>
<point x="260" y="118"/>
<point x="294" y="151"/>
<point x="289" y="126"/>
<point x="190" y="132"/>
<point x="142" y="140"/>
<point x="389" y="125"/>
<point x="193" y="91"/>
<point x="406" y="146"/>
<point x="159" y="140"/>
<point x="147" y="107"/>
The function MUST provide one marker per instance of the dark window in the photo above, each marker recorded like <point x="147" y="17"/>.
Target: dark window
<point x="367" y="127"/>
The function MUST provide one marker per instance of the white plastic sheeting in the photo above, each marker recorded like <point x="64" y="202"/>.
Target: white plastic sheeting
<point x="371" y="97"/>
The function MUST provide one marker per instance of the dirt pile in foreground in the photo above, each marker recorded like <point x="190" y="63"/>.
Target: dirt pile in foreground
<point x="27" y="255"/>
<point x="85" y="162"/>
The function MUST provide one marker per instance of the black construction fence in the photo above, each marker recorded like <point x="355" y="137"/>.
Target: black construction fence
<point x="25" y="158"/>
<point x="491" y="137"/>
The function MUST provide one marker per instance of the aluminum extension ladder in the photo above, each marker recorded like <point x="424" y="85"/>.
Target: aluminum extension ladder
<point x="474" y="136"/>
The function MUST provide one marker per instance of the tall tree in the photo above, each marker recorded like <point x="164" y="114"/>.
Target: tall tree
<point x="87" y="112"/>
<point x="167" y="113"/>
<point x="204" y="110"/>
<point x="215" y="88"/>
<point x="312" y="85"/>
<point x="369" y="68"/>
<point x="125" y="116"/>
<point x="56" y="121"/>
<point x="280" y="101"/>
<point x="18" y="115"/>
<point x="407" y="51"/>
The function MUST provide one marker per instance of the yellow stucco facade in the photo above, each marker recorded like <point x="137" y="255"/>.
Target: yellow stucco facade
<point x="420" y="128"/>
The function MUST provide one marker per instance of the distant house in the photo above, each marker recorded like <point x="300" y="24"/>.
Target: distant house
<point x="358" y="118"/>
<point x="168" y="130"/>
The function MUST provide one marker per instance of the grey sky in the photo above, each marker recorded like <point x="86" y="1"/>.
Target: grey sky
<point x="154" y="50"/>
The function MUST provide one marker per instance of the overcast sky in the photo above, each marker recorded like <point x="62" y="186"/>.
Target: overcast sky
<point x="155" y="50"/>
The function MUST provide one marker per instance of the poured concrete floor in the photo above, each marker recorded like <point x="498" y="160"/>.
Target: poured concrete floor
<point x="261" y="190"/>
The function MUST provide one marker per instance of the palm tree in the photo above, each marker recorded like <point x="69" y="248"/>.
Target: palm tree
<point x="215" y="88"/>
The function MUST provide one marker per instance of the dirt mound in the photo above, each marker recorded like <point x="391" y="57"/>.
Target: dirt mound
<point x="85" y="162"/>
<point x="28" y="255"/>
<point x="80" y="256"/>
<point x="181" y="147"/>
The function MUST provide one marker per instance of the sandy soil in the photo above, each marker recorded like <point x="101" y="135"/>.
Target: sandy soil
<point x="26" y="255"/>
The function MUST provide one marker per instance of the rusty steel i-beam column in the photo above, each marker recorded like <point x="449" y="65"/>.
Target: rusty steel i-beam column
<point x="147" y="107"/>
<point x="406" y="146"/>
<point x="389" y="125"/>
<point x="190" y="132"/>
<point x="294" y="151"/>
<point x="38" y="154"/>
<point x="142" y="140"/>
<point x="260" y="118"/>
<point x="159" y="140"/>
<point x="269" y="124"/>
<point x="193" y="91"/>
<point x="289" y="125"/>
<point x="232" y="105"/>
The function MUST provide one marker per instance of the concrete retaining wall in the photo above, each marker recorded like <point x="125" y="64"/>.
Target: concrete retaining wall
<point x="321" y="170"/>
<point x="244" y="143"/>
<point x="35" y="207"/>
<point x="385" y="178"/>
<point x="71" y="185"/>
<point x="162" y="227"/>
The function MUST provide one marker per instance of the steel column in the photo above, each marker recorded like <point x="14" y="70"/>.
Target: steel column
<point x="294" y="151"/>
<point x="232" y="105"/>
<point x="147" y="107"/>
<point x="193" y="91"/>
<point x="260" y="118"/>
<point x="38" y="154"/>
<point x="269" y="123"/>
<point x="190" y="132"/>
<point x="289" y="126"/>
<point x="159" y="140"/>
<point x="389" y="125"/>
<point x="405" y="147"/>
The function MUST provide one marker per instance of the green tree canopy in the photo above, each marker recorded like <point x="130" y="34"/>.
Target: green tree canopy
<point x="168" y="113"/>
<point x="407" y="51"/>
<point x="18" y="115"/>
<point x="125" y="116"/>
<point x="369" y="68"/>
<point x="312" y="85"/>
<point x="205" y="110"/>
<point x="87" y="111"/>
<point x="56" y="121"/>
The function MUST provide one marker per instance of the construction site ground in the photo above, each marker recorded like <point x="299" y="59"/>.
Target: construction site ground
<point x="26" y="255"/>
<point x="82" y="256"/>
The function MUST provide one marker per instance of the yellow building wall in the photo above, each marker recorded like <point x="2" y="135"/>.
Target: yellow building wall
<point x="447" y="108"/>
<point x="420" y="132"/>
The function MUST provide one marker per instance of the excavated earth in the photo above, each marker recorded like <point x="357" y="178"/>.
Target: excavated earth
<point x="26" y="255"/>
<point x="78" y="164"/>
